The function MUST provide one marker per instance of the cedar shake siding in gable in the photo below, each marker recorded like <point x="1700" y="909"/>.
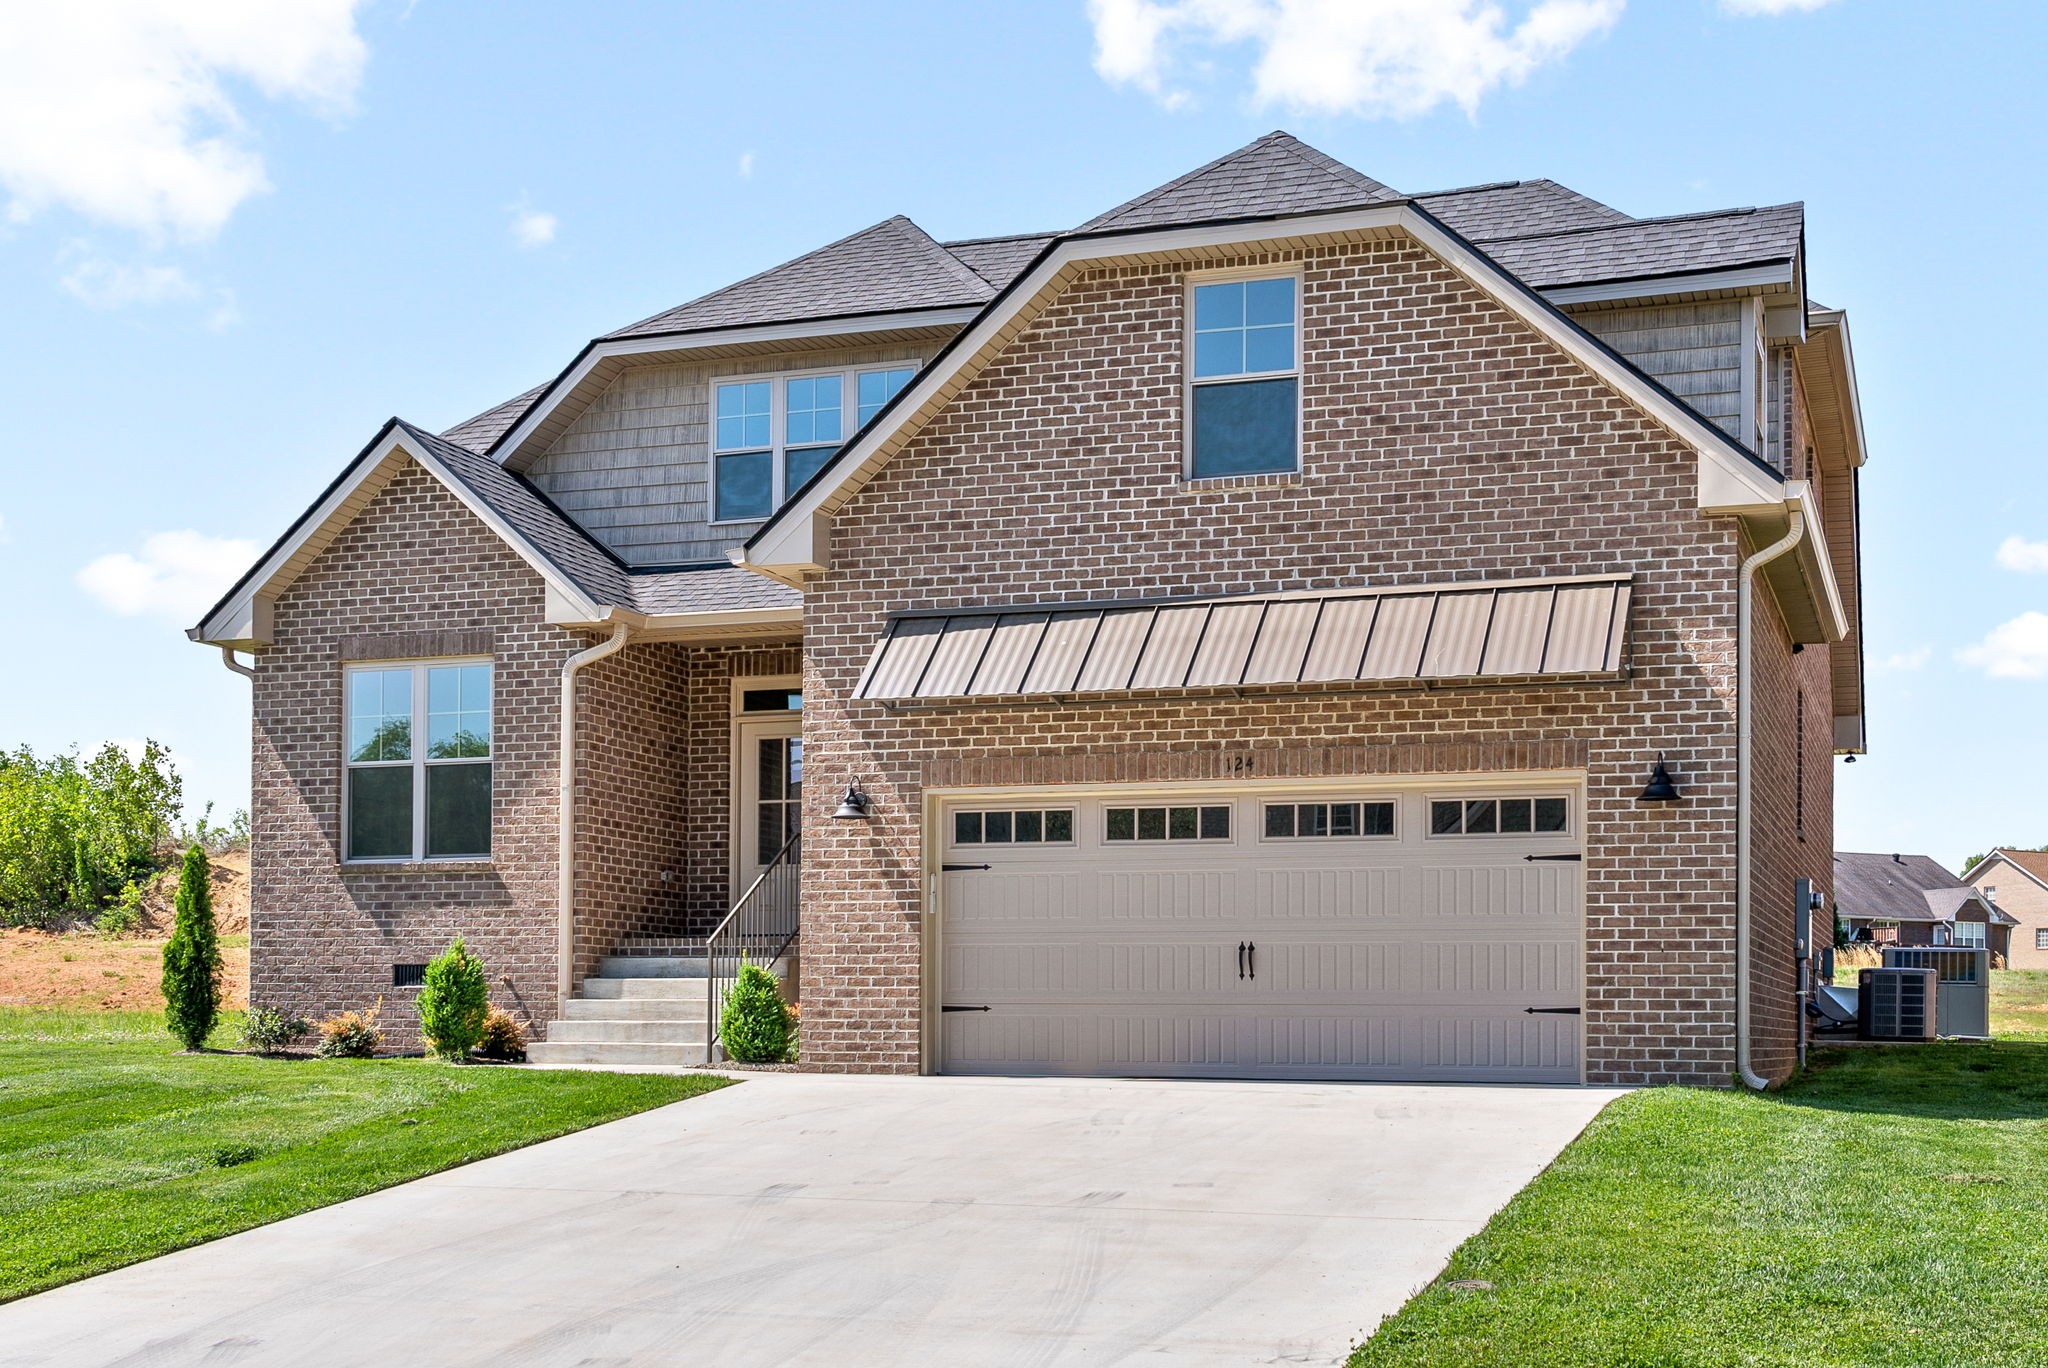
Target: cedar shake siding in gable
<point x="634" y="468"/>
<point x="1442" y="440"/>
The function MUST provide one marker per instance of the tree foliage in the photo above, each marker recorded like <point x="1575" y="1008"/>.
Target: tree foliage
<point x="191" y="981"/>
<point x="75" y="834"/>
<point x="454" y="1001"/>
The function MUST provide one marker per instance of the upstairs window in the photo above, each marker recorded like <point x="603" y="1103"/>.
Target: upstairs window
<point x="1245" y="393"/>
<point x="418" y="761"/>
<point x="769" y="436"/>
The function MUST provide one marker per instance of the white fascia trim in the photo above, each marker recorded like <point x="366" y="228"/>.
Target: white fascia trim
<point x="1838" y="321"/>
<point x="1799" y="495"/>
<point x="1725" y="478"/>
<point x="507" y="451"/>
<point x="1780" y="273"/>
<point x="249" y="608"/>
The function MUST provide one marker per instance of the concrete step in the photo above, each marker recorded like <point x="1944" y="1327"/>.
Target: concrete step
<point x="669" y="1032"/>
<point x="614" y="1052"/>
<point x="653" y="966"/>
<point x="634" y="1008"/>
<point x="665" y="989"/>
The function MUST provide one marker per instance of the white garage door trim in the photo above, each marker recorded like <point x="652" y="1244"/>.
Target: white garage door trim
<point x="1412" y="791"/>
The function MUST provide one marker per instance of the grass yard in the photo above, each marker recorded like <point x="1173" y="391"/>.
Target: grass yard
<point x="114" y="1148"/>
<point x="1887" y="1208"/>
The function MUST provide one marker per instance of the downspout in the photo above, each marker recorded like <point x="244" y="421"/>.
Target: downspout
<point x="227" y="655"/>
<point x="565" y="855"/>
<point x="1745" y="592"/>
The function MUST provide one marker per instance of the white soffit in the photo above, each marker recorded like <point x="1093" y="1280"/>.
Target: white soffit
<point x="1728" y="481"/>
<point x="243" y="620"/>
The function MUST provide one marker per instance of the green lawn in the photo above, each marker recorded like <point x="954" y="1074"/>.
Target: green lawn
<point x="1890" y="1207"/>
<point x="114" y="1148"/>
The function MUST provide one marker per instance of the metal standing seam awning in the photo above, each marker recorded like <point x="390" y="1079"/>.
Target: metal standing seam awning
<point x="1565" y="626"/>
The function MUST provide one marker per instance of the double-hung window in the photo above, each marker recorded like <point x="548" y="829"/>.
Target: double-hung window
<point x="1244" y="399"/>
<point x="418" y="783"/>
<point x="772" y="434"/>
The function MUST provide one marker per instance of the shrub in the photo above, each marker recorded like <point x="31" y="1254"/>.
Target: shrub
<point x="351" y="1035"/>
<point x="124" y="915"/>
<point x="267" y="1030"/>
<point x="503" y="1037"/>
<point x="453" y="1002"/>
<point x="229" y="1156"/>
<point x="191" y="980"/>
<point x="756" y="1026"/>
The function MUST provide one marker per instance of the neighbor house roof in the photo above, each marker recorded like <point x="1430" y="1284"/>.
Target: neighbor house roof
<point x="1898" y="888"/>
<point x="2032" y="863"/>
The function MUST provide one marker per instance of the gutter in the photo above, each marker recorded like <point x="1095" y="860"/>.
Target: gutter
<point x="1745" y="593"/>
<point x="565" y="859"/>
<point x="227" y="658"/>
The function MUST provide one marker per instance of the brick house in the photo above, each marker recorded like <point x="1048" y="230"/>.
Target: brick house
<point x="1282" y="627"/>
<point x="2016" y="882"/>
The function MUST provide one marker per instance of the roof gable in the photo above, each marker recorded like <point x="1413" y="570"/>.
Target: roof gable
<point x="893" y="265"/>
<point x="1278" y="174"/>
<point x="2032" y="864"/>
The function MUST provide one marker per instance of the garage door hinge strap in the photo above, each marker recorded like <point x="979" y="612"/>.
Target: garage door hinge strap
<point x="955" y="868"/>
<point x="949" y="1007"/>
<point x="1531" y="859"/>
<point x="1550" y="1011"/>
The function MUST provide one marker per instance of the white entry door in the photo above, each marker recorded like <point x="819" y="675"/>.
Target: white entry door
<point x="1416" y="934"/>
<point x="771" y="782"/>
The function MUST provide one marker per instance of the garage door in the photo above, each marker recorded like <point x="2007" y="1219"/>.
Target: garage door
<point x="1416" y="934"/>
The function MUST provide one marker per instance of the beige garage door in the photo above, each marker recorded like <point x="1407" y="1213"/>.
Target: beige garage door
<point x="1417" y="934"/>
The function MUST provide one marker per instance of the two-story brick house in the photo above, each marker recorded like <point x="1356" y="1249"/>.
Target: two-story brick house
<point x="1282" y="627"/>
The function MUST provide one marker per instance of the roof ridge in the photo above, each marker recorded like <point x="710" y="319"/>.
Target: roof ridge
<point x="1115" y="211"/>
<point x="1745" y="212"/>
<point x="1322" y="160"/>
<point x="1469" y="189"/>
<point x="1000" y="237"/>
<point x="952" y="265"/>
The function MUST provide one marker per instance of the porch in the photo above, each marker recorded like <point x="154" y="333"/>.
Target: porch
<point x="687" y="812"/>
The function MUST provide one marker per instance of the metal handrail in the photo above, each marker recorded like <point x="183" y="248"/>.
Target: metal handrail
<point x="765" y="918"/>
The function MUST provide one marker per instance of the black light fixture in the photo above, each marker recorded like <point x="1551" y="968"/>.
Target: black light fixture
<point x="853" y="807"/>
<point x="1660" y="789"/>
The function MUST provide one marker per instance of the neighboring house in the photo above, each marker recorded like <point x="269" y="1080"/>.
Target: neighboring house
<point x="2016" y="882"/>
<point x="1238" y="631"/>
<point x="1913" y="900"/>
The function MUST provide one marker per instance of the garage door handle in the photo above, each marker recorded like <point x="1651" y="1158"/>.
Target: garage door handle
<point x="1240" y="959"/>
<point x="1550" y="1011"/>
<point x="949" y="1007"/>
<point x="1252" y="949"/>
<point x="1531" y="859"/>
<point x="954" y="869"/>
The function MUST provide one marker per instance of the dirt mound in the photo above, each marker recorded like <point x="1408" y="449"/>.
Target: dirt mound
<point x="82" y="970"/>
<point x="230" y="896"/>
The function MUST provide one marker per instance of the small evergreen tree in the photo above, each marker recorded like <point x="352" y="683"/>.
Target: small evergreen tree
<point x="191" y="981"/>
<point x="454" y="1001"/>
<point x="756" y="1027"/>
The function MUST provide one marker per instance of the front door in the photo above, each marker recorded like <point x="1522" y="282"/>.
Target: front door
<point x="771" y="784"/>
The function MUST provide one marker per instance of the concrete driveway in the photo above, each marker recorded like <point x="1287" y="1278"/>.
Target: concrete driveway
<point x="799" y="1219"/>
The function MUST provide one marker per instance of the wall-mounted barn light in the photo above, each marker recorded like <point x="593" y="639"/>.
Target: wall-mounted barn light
<point x="853" y="807"/>
<point x="1660" y="789"/>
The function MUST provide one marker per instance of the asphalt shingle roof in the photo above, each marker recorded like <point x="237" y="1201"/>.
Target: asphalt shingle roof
<point x="566" y="546"/>
<point x="1894" y="887"/>
<point x="476" y="434"/>
<point x="1000" y="260"/>
<point x="1516" y="209"/>
<point x="1653" y="247"/>
<point x="893" y="265"/>
<point x="1278" y="174"/>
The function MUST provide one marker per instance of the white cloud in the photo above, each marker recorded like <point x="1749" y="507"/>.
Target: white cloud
<point x="107" y="284"/>
<point x="2013" y="650"/>
<point x="746" y="166"/>
<point x="1747" y="7"/>
<point x="1901" y="661"/>
<point x="532" y="227"/>
<point x="1396" y="58"/>
<point x="178" y="575"/>
<point x="2028" y="557"/>
<point x="118" y="109"/>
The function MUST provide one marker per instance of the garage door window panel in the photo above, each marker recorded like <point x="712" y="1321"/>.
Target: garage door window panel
<point x="1545" y="816"/>
<point x="1193" y="822"/>
<point x="1316" y="821"/>
<point x="1027" y="826"/>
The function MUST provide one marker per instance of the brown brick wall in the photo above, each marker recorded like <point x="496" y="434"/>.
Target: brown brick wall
<point x="324" y="937"/>
<point x="1441" y="440"/>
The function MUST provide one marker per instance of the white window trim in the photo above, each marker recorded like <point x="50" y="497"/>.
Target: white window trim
<point x="1189" y="384"/>
<point x="418" y="763"/>
<point x="1571" y="817"/>
<point x="1236" y="823"/>
<point x="778" y="451"/>
<point x="2041" y="938"/>
<point x="1363" y="802"/>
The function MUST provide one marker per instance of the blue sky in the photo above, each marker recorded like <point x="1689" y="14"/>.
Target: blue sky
<point x="230" y="252"/>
